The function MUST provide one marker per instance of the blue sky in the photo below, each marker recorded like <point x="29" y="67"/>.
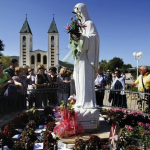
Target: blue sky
<point x="123" y="25"/>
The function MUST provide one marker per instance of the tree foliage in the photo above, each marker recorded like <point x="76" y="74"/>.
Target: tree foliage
<point x="114" y="63"/>
<point x="6" y="61"/>
<point x="103" y="64"/>
<point x="1" y="45"/>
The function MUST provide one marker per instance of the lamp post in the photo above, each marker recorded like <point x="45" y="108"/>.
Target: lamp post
<point x="137" y="56"/>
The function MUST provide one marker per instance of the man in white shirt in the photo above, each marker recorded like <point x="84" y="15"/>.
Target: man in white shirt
<point x="100" y="83"/>
<point x="118" y="97"/>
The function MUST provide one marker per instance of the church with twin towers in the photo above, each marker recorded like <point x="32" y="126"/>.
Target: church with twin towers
<point x="34" y="58"/>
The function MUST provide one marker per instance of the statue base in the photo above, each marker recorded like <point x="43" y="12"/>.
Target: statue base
<point x="88" y="118"/>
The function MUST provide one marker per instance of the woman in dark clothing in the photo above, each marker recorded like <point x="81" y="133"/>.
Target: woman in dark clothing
<point x="55" y="82"/>
<point x="42" y="80"/>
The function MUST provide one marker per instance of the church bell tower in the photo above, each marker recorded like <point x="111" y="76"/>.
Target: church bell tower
<point x="53" y="46"/>
<point x="25" y="44"/>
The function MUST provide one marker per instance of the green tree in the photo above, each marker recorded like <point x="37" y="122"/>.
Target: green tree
<point x="103" y="64"/>
<point x="114" y="63"/>
<point x="6" y="61"/>
<point x="126" y="67"/>
<point x="1" y="45"/>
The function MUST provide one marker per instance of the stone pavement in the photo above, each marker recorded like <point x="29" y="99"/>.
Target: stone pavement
<point x="4" y="120"/>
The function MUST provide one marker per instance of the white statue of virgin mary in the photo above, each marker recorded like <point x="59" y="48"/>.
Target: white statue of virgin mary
<point x="85" y="68"/>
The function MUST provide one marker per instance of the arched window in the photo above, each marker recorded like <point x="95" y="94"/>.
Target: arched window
<point x="38" y="57"/>
<point x="52" y="41"/>
<point x="24" y="41"/>
<point x="32" y="59"/>
<point x="44" y="59"/>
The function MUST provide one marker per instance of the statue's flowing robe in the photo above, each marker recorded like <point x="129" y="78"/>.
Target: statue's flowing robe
<point x="85" y="68"/>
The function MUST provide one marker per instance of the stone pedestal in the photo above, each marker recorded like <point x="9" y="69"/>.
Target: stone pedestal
<point x="88" y="118"/>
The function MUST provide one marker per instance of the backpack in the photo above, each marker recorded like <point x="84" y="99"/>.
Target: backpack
<point x="11" y="92"/>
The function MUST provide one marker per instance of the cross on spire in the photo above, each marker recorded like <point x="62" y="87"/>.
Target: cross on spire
<point x="26" y="16"/>
<point x="53" y="16"/>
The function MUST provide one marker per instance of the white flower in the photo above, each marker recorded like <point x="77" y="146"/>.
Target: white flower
<point x="92" y="63"/>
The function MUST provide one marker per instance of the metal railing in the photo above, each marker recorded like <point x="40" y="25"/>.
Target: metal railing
<point x="51" y="96"/>
<point x="131" y="100"/>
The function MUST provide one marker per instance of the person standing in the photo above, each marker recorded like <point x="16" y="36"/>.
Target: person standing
<point x="11" y="69"/>
<point x="5" y="79"/>
<point x="118" y="96"/>
<point x="143" y="82"/>
<point x="63" y="91"/>
<point x="41" y="82"/>
<point x="109" y="78"/>
<point x="31" y="93"/>
<point x="100" y="83"/>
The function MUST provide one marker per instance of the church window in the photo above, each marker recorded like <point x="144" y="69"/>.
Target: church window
<point x="24" y="58"/>
<point x="52" y="52"/>
<point x="52" y="55"/>
<point x="24" y="52"/>
<point x="24" y="55"/>
<point x="52" y="58"/>
<point x="52" y="41"/>
<point x="38" y="57"/>
<point x="44" y="59"/>
<point x="24" y="41"/>
<point x="52" y="61"/>
<point x="32" y="59"/>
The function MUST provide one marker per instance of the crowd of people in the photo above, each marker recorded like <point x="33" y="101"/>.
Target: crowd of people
<point x="116" y="82"/>
<point x="25" y="78"/>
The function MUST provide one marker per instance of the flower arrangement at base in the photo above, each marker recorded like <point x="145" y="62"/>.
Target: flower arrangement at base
<point x="48" y="140"/>
<point x="10" y="128"/>
<point x="20" y="145"/>
<point x="93" y="143"/>
<point x="28" y="138"/>
<point x="50" y="126"/>
<point x="68" y="125"/>
<point x="33" y="114"/>
<point x="31" y="124"/>
<point x="28" y="134"/>
<point x="132" y="147"/>
<point x="80" y="144"/>
<point x="7" y="139"/>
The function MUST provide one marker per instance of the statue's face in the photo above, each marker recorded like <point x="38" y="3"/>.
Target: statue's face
<point x="76" y="10"/>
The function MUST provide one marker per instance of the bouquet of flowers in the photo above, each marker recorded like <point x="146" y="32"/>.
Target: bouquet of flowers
<point x="68" y="125"/>
<point x="72" y="99"/>
<point x="74" y="29"/>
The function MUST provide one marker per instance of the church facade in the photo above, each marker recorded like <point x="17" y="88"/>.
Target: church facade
<point x="34" y="58"/>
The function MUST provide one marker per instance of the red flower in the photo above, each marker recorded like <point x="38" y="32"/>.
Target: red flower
<point x="47" y="135"/>
<point x="46" y="143"/>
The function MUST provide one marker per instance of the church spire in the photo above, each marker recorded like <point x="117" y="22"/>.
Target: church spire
<point x="53" y="28"/>
<point x="25" y="28"/>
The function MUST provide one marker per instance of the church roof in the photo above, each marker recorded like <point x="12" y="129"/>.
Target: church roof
<point x="25" y="28"/>
<point x="53" y="28"/>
